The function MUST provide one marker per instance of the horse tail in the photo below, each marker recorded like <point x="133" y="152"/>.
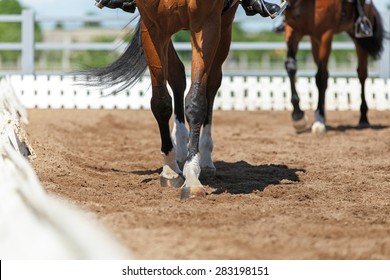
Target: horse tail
<point x="374" y="45"/>
<point x="125" y="71"/>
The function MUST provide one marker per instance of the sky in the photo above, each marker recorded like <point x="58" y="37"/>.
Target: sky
<point x="65" y="7"/>
<point x="81" y="7"/>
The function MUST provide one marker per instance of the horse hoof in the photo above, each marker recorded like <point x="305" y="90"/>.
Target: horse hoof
<point x="318" y="128"/>
<point x="192" y="192"/>
<point x="300" y="124"/>
<point x="176" y="182"/>
<point x="364" y="125"/>
<point x="208" y="171"/>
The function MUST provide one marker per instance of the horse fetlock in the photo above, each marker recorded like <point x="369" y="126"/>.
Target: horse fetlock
<point x="170" y="167"/>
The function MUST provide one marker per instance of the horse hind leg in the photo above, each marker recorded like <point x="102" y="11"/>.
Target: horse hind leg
<point x="298" y="116"/>
<point x="362" y="74"/>
<point x="161" y="105"/>
<point x="177" y="81"/>
<point x="206" y="145"/>
<point x="214" y="82"/>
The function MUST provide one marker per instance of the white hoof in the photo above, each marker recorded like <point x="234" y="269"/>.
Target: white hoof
<point x="318" y="128"/>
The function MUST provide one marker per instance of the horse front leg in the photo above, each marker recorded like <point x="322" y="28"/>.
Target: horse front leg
<point x="161" y="105"/>
<point x="292" y="40"/>
<point x="204" y="44"/>
<point x="195" y="110"/>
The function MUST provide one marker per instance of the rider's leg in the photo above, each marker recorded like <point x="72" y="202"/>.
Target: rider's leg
<point x="363" y="26"/>
<point x="126" y="5"/>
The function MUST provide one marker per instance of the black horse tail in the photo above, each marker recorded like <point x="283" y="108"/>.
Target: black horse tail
<point x="374" y="45"/>
<point x="124" y="72"/>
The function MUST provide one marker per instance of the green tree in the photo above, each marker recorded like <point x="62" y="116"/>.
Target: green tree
<point x="12" y="31"/>
<point x="93" y="59"/>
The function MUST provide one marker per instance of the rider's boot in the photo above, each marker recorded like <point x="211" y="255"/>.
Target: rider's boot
<point x="126" y="5"/>
<point x="263" y="8"/>
<point x="363" y="26"/>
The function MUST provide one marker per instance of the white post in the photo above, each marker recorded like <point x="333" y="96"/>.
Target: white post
<point x="28" y="47"/>
<point x="384" y="62"/>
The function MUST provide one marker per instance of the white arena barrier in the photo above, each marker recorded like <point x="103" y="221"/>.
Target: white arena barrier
<point x="34" y="224"/>
<point x="236" y="93"/>
<point x="13" y="117"/>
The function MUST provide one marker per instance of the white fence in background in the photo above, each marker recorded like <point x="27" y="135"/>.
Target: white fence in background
<point x="236" y="93"/>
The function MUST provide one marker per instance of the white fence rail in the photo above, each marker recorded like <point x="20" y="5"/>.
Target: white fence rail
<point x="28" y="46"/>
<point x="236" y="93"/>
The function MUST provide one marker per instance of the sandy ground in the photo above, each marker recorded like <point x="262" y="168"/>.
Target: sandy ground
<point x="276" y="195"/>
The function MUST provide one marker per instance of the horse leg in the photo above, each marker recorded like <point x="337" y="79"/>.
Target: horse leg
<point x="213" y="84"/>
<point x="161" y="102"/>
<point x="362" y="74"/>
<point x="177" y="81"/>
<point x="204" y="46"/>
<point x="206" y="142"/>
<point x="321" y="48"/>
<point x="292" y="40"/>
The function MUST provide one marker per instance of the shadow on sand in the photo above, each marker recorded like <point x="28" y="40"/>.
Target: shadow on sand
<point x="234" y="177"/>
<point x="244" y="178"/>
<point x="345" y="128"/>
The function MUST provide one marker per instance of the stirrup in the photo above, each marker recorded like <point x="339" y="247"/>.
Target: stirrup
<point x="363" y="21"/>
<point x="282" y="7"/>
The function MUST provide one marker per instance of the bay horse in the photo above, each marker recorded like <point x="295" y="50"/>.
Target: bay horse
<point x="320" y="20"/>
<point x="210" y="25"/>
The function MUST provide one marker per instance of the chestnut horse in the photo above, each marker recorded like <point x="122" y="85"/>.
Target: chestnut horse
<point x="210" y="25"/>
<point x="320" y="20"/>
